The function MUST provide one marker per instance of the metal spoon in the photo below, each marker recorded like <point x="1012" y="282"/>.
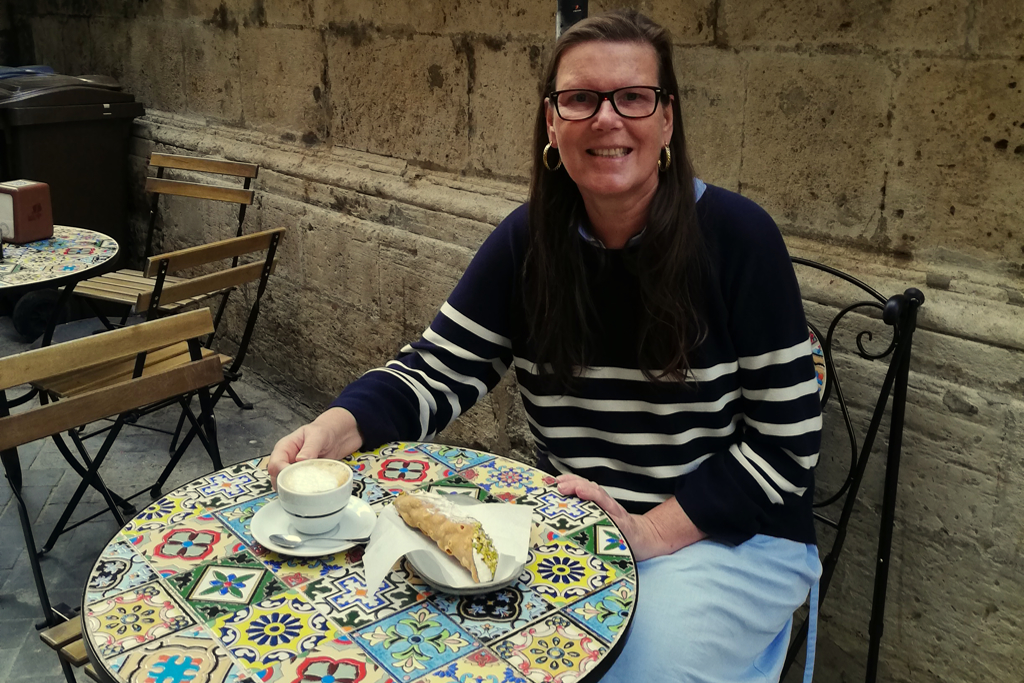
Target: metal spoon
<point x="291" y="541"/>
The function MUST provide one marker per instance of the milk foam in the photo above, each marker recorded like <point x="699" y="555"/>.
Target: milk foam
<point x="316" y="477"/>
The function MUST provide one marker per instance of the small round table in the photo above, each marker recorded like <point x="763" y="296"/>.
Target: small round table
<point x="184" y="592"/>
<point x="70" y="256"/>
<point x="51" y="262"/>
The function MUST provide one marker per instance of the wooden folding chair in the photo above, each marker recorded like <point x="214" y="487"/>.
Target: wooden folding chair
<point x="142" y="385"/>
<point x="124" y="286"/>
<point x="218" y="276"/>
<point x="846" y="341"/>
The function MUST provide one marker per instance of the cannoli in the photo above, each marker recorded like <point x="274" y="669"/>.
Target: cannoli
<point x="458" y="535"/>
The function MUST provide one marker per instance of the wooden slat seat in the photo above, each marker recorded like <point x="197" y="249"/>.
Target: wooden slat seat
<point x="123" y="287"/>
<point x="75" y="653"/>
<point x="98" y="376"/>
<point x="60" y="635"/>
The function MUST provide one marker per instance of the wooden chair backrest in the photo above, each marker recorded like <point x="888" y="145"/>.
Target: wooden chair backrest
<point x="81" y="354"/>
<point x="199" y="190"/>
<point x="231" y="275"/>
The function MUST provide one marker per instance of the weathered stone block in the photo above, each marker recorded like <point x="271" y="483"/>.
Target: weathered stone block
<point x="48" y="42"/>
<point x="419" y="276"/>
<point x="907" y="25"/>
<point x="998" y="28"/>
<point x="227" y="15"/>
<point x="153" y="67"/>
<point x="503" y="105"/>
<point x="712" y="89"/>
<point x="110" y="43"/>
<point x="955" y="121"/>
<point x="689" y="22"/>
<point x="508" y="18"/>
<point x="814" y="143"/>
<point x="403" y="97"/>
<point x="342" y="260"/>
<point x="76" y="46"/>
<point x="359" y="16"/>
<point x="212" y="73"/>
<point x="283" y="88"/>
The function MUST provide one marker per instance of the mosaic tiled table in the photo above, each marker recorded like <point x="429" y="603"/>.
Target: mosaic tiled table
<point x="185" y="594"/>
<point x="68" y="254"/>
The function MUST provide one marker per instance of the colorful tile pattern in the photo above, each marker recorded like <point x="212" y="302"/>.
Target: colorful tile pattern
<point x="274" y="630"/>
<point x="118" y="569"/>
<point x="70" y="250"/>
<point x="606" y="541"/>
<point x="184" y="594"/>
<point x="185" y="657"/>
<point x="562" y="572"/>
<point x="493" y="615"/>
<point x="193" y="541"/>
<point x="456" y="458"/>
<point x="416" y="641"/>
<point x="606" y="612"/>
<point x="562" y="513"/>
<point x="554" y="650"/>
<point x="332" y="661"/>
<point x="130" y="619"/>
<point x="482" y="666"/>
<point x="219" y="588"/>
<point x="508" y="480"/>
<point x="344" y="598"/>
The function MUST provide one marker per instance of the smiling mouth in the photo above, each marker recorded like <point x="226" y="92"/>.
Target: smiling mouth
<point x="610" y="152"/>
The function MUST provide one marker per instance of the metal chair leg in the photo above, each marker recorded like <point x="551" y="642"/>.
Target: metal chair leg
<point x="244" y="405"/>
<point x="12" y="469"/>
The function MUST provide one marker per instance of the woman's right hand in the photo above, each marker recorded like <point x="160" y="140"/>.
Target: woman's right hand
<point x="334" y="434"/>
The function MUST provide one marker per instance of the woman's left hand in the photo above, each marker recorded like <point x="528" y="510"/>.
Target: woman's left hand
<point x="662" y="531"/>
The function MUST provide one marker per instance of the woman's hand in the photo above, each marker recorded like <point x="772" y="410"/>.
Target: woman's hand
<point x="333" y="435"/>
<point x="662" y="531"/>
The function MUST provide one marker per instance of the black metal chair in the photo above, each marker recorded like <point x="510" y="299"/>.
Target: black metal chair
<point x="131" y="345"/>
<point x="886" y="325"/>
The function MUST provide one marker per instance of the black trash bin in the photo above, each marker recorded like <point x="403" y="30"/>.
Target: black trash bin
<point x="71" y="132"/>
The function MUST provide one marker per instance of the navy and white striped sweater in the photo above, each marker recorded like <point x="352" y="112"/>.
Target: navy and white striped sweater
<point x="737" y="446"/>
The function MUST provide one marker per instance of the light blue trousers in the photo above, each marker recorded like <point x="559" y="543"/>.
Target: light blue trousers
<point x="715" y="613"/>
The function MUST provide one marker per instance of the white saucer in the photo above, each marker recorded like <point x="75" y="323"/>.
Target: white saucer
<point x="358" y="521"/>
<point x="438" y="571"/>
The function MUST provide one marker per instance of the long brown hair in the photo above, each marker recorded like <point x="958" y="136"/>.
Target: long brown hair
<point x="671" y="259"/>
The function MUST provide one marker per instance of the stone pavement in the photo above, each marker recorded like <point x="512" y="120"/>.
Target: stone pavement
<point x="135" y="461"/>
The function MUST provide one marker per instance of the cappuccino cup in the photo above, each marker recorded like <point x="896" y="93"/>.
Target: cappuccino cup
<point x="314" y="493"/>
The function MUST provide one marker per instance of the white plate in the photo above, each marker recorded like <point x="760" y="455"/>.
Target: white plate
<point x="447" y="575"/>
<point x="358" y="521"/>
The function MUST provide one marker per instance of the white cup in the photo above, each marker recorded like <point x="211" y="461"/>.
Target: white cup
<point x="314" y="493"/>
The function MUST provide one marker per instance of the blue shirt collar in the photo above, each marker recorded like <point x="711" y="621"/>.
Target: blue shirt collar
<point x="698" y="190"/>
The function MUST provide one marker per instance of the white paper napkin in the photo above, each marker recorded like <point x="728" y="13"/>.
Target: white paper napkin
<point x="508" y="526"/>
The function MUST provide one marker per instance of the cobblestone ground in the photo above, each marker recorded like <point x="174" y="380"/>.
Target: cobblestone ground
<point x="136" y="460"/>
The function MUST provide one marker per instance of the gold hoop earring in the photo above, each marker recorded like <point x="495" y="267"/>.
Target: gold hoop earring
<point x="544" y="158"/>
<point x="668" y="159"/>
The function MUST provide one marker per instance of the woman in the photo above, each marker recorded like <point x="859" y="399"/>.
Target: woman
<point x="659" y="342"/>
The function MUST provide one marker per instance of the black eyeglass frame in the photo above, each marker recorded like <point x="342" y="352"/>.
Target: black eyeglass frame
<point x="659" y="95"/>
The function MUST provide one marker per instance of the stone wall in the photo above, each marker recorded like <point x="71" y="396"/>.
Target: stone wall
<point x="886" y="137"/>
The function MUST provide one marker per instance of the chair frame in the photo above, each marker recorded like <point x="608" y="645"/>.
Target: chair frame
<point x="162" y="265"/>
<point x="899" y="314"/>
<point x="159" y="185"/>
<point x="52" y="418"/>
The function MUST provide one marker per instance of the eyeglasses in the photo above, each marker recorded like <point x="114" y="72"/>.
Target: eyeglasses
<point x="633" y="102"/>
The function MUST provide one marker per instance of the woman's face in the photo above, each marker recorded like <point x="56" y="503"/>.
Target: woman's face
<point x="608" y="156"/>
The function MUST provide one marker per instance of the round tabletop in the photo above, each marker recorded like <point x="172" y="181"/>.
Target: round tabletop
<point x="69" y="253"/>
<point x="184" y="592"/>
